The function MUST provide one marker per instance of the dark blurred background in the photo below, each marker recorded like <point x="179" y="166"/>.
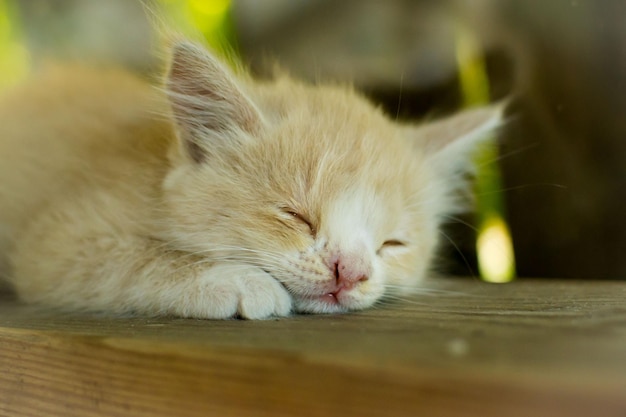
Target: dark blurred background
<point x="562" y="161"/>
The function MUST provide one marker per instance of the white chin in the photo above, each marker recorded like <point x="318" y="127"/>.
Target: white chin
<point x="329" y="303"/>
<point x="319" y="305"/>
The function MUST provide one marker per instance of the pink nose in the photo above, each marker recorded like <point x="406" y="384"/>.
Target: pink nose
<point x="349" y="272"/>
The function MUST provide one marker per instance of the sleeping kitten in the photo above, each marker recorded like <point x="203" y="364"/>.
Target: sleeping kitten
<point x="219" y="196"/>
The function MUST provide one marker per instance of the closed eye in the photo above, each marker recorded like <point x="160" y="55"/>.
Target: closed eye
<point x="390" y="244"/>
<point x="300" y="218"/>
<point x="393" y="242"/>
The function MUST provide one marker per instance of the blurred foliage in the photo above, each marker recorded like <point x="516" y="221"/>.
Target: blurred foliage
<point x="198" y="19"/>
<point x="496" y="260"/>
<point x="210" y="19"/>
<point x="14" y="57"/>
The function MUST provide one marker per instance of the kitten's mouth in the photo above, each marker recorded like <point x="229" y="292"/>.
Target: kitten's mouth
<point x="329" y="298"/>
<point x="333" y="301"/>
<point x="334" y="298"/>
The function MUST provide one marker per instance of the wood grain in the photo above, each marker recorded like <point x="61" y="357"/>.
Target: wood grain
<point x="541" y="348"/>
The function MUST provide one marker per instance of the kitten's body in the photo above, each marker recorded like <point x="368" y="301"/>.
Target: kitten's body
<point x="251" y="199"/>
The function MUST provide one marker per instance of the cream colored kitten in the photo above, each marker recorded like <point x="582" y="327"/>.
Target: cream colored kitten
<point x="252" y="199"/>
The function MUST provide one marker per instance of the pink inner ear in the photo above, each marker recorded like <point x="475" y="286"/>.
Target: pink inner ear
<point x="465" y="128"/>
<point x="204" y="93"/>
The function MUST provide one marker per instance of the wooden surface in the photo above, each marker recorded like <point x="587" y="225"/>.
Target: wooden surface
<point x="531" y="348"/>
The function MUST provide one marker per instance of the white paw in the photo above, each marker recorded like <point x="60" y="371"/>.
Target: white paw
<point x="227" y="291"/>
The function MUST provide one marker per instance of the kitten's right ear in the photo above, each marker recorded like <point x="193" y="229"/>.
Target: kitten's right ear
<point x="462" y="132"/>
<point x="210" y="109"/>
<point x="452" y="140"/>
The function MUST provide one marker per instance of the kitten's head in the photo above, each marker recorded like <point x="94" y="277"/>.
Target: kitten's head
<point x="309" y="183"/>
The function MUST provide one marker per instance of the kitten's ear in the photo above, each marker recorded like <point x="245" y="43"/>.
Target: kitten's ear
<point x="210" y="108"/>
<point x="449" y="146"/>
<point x="453" y="139"/>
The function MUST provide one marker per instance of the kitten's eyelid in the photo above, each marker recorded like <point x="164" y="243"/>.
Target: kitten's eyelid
<point x="299" y="217"/>
<point x="391" y="244"/>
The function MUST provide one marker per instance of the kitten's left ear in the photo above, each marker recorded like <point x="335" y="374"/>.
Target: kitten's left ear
<point x="453" y="139"/>
<point x="211" y="109"/>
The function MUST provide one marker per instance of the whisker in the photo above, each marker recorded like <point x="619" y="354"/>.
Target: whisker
<point x="425" y="291"/>
<point x="399" y="96"/>
<point x="456" y="247"/>
<point x="509" y="154"/>
<point x="521" y="187"/>
<point x="460" y="221"/>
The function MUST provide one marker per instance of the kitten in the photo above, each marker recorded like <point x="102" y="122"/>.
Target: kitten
<point x="249" y="199"/>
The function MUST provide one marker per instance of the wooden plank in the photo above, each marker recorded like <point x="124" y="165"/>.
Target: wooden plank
<point x="541" y="348"/>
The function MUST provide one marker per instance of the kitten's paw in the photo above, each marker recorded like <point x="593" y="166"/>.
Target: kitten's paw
<point x="241" y="290"/>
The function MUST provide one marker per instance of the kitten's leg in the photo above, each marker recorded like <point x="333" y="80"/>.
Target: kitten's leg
<point x="78" y="261"/>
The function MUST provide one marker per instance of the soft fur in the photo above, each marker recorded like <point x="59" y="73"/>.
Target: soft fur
<point x="218" y="196"/>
